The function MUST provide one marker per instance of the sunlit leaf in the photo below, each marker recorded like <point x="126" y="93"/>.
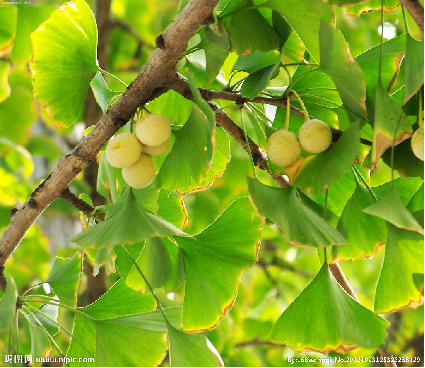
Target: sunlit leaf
<point x="8" y="20"/>
<point x="172" y="105"/>
<point x="220" y="160"/>
<point x="172" y="208"/>
<point x="29" y="18"/>
<point x="214" y="261"/>
<point x="391" y="209"/>
<point x="390" y="124"/>
<point x="367" y="6"/>
<point x="8" y="303"/>
<point x="18" y="111"/>
<point x="392" y="56"/>
<point x="215" y="43"/>
<point x="127" y="223"/>
<point x="365" y="233"/>
<point x="337" y="62"/>
<point x="414" y="67"/>
<point x="323" y="169"/>
<point x="116" y="319"/>
<point x="190" y="350"/>
<point x="64" y="60"/>
<point x="238" y="17"/>
<point x="404" y="256"/>
<point x="303" y="20"/>
<point x="325" y="318"/>
<point x="256" y="61"/>
<point x="300" y="225"/>
<point x="190" y="158"/>
<point x="65" y="277"/>
<point x="4" y="86"/>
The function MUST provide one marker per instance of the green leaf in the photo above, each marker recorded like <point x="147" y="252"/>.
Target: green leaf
<point x="8" y="20"/>
<point x="172" y="208"/>
<point x="29" y="18"/>
<point x="304" y="21"/>
<point x="8" y="303"/>
<point x="414" y="67"/>
<point x="257" y="81"/>
<point x="404" y="257"/>
<point x="366" y="234"/>
<point x="300" y="225"/>
<point x="110" y="182"/>
<point x="214" y="261"/>
<point x="325" y="318"/>
<point x="119" y="301"/>
<point x="392" y="56"/>
<point x="64" y="60"/>
<point x="391" y="209"/>
<point x="220" y="160"/>
<point x="337" y="62"/>
<point x="121" y="316"/>
<point x="215" y="42"/>
<point x="189" y="350"/>
<point x="40" y="343"/>
<point x="389" y="121"/>
<point x="18" y="111"/>
<point x="172" y="105"/>
<point x="370" y="5"/>
<point x="204" y="106"/>
<point x="83" y="343"/>
<point x="317" y="174"/>
<point x="244" y="38"/>
<point x="4" y="86"/>
<point x="189" y="160"/>
<point x="155" y="265"/>
<point x="127" y="222"/>
<point x="64" y="278"/>
<point x="45" y="317"/>
<point x="103" y="94"/>
<point x="256" y="60"/>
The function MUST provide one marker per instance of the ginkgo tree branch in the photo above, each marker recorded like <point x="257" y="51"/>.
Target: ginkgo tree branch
<point x="156" y="74"/>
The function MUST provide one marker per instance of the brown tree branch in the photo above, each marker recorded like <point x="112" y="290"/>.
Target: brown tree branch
<point x="157" y="73"/>
<point x="181" y="85"/>
<point x="416" y="10"/>
<point x="78" y="203"/>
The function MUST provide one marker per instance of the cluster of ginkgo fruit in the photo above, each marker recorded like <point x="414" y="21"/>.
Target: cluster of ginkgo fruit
<point x="284" y="148"/>
<point x="132" y="152"/>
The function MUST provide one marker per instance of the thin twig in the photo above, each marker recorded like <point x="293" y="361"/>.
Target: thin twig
<point x="78" y="203"/>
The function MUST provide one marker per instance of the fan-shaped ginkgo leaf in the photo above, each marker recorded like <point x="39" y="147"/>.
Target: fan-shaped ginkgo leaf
<point x="190" y="350"/>
<point x="404" y="257"/>
<point x="8" y="304"/>
<point x="214" y="261"/>
<point x="300" y="225"/>
<point x="325" y="318"/>
<point x="318" y="173"/>
<point x="64" y="60"/>
<point x="127" y="222"/>
<point x="392" y="209"/>
<point x="365" y="243"/>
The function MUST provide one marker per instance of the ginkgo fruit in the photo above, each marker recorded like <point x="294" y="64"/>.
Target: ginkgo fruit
<point x="417" y="143"/>
<point x="140" y="174"/>
<point x="153" y="129"/>
<point x="123" y="150"/>
<point x="156" y="150"/>
<point x="315" y="136"/>
<point x="283" y="148"/>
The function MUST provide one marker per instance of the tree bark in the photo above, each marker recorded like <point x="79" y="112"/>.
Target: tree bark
<point x="156" y="74"/>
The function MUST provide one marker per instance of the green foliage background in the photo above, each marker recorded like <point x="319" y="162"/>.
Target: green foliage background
<point x="31" y="145"/>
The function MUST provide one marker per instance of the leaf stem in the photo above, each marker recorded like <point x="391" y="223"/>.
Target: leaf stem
<point x="359" y="174"/>
<point x="288" y="113"/>
<point x="306" y="116"/>
<point x="112" y="76"/>
<point x="147" y="283"/>
<point x="61" y="327"/>
<point x="247" y="143"/>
